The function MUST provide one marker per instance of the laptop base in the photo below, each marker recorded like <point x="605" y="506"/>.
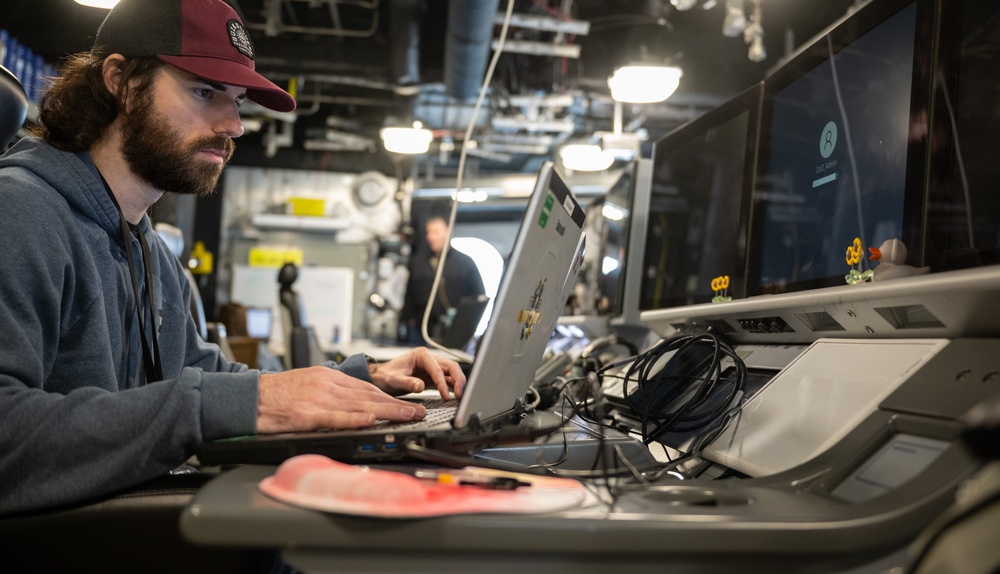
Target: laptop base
<point x="574" y="448"/>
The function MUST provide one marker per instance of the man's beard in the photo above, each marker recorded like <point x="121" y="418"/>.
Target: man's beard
<point x="155" y="153"/>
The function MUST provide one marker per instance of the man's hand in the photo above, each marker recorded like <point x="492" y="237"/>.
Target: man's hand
<point x="414" y="371"/>
<point x="320" y="397"/>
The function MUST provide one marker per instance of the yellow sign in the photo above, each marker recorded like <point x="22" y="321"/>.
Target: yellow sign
<point x="308" y="206"/>
<point x="274" y="257"/>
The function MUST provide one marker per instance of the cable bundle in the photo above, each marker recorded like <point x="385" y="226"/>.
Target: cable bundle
<point x="689" y="392"/>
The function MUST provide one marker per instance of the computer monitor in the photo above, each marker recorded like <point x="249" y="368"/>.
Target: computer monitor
<point x="696" y="230"/>
<point x="259" y="322"/>
<point x="616" y="212"/>
<point x="842" y="151"/>
<point x="963" y="216"/>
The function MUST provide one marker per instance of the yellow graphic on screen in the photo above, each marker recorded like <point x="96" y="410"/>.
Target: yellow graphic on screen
<point x="531" y="316"/>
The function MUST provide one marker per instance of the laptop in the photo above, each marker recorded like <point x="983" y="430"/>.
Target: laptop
<point x="533" y="291"/>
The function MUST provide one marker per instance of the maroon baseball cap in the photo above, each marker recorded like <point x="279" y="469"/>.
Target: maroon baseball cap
<point x="203" y="37"/>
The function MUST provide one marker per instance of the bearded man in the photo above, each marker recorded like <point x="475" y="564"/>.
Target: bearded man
<point x="104" y="381"/>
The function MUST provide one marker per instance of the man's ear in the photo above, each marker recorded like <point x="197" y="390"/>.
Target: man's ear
<point x="111" y="73"/>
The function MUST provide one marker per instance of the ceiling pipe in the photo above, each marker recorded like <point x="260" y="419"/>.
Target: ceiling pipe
<point x="404" y="41"/>
<point x="467" y="46"/>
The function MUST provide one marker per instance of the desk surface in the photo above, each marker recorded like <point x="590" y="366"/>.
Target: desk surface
<point x="788" y="521"/>
<point x="696" y="526"/>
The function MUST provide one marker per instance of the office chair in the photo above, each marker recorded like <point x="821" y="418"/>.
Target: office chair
<point x="13" y="107"/>
<point x="209" y="331"/>
<point x="299" y="338"/>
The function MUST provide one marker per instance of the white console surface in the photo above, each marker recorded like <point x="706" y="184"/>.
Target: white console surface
<point x="816" y="401"/>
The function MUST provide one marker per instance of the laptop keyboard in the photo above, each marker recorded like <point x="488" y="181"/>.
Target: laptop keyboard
<point x="438" y="411"/>
<point x="437" y="403"/>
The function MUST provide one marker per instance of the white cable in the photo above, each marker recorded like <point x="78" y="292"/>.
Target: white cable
<point x="458" y="186"/>
<point x="850" y="146"/>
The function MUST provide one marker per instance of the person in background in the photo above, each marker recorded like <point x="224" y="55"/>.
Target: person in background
<point x="460" y="278"/>
<point x="104" y="381"/>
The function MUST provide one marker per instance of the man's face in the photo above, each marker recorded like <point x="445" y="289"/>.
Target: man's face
<point x="179" y="134"/>
<point x="437" y="234"/>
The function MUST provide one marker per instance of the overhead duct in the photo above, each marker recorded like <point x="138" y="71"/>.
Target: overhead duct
<point x="404" y="41"/>
<point x="467" y="46"/>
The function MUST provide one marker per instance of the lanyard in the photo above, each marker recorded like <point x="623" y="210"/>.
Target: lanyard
<point x="150" y="350"/>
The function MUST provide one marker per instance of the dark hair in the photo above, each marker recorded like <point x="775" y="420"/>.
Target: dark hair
<point x="77" y="107"/>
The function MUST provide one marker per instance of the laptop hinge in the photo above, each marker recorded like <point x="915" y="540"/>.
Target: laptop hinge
<point x="520" y="407"/>
<point x="517" y="412"/>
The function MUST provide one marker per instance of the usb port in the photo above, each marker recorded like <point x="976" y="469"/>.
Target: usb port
<point x="390" y="446"/>
<point x="367" y="448"/>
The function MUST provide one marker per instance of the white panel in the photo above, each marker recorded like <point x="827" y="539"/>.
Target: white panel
<point x="816" y="401"/>
<point x="326" y="293"/>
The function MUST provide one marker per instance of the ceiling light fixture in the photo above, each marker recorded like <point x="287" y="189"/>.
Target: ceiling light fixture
<point x="411" y="141"/>
<point x="643" y="84"/>
<point x="106" y="4"/>
<point x="735" y="20"/>
<point x="683" y="4"/>
<point x="472" y="196"/>
<point x="585" y="157"/>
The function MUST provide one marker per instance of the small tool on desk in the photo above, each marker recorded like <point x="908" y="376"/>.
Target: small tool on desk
<point x="464" y="479"/>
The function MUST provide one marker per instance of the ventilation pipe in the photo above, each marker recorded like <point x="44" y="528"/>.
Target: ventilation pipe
<point x="404" y="41"/>
<point x="467" y="46"/>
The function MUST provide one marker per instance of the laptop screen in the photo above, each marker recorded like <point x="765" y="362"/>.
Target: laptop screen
<point x="531" y="296"/>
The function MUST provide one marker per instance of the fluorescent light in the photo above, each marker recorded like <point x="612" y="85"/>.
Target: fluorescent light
<point x="638" y="84"/>
<point x="471" y="196"/>
<point x="413" y="140"/>
<point x="612" y="212"/>
<point x="585" y="157"/>
<point x="106" y="4"/>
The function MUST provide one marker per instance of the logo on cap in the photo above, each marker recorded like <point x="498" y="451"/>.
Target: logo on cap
<point x="239" y="38"/>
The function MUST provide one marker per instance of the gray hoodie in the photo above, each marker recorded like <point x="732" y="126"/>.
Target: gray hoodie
<point x="77" y="418"/>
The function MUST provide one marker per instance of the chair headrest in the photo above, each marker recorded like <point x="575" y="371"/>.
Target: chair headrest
<point x="13" y="106"/>
<point x="287" y="275"/>
<point x="172" y="236"/>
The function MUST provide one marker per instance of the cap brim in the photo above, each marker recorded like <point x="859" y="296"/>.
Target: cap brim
<point x="259" y="89"/>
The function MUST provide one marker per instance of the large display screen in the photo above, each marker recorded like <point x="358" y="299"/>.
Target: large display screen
<point x="964" y="207"/>
<point x="699" y="206"/>
<point x="839" y="143"/>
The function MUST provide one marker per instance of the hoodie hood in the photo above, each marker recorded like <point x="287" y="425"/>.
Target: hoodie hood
<point x="73" y="175"/>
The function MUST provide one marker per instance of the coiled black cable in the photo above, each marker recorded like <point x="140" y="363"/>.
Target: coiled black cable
<point x="688" y="391"/>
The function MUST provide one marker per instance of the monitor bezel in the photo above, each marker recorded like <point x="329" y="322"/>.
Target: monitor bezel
<point x="840" y="35"/>
<point x="617" y="307"/>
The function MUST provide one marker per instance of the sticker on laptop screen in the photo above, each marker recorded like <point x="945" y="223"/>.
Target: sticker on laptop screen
<point x="543" y="218"/>
<point x="530" y="316"/>
<point x="568" y="205"/>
